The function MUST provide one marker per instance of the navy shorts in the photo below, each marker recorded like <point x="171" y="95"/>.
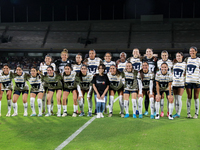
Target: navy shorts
<point x="37" y="92"/>
<point x="166" y="92"/>
<point x="19" y="92"/>
<point x="192" y="85"/>
<point x="68" y="90"/>
<point x="177" y="87"/>
<point x="53" y="90"/>
<point x="129" y="92"/>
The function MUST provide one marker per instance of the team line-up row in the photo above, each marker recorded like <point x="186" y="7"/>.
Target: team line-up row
<point x="136" y="77"/>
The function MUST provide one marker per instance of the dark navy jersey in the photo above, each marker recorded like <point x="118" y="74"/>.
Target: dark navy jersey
<point x="60" y="65"/>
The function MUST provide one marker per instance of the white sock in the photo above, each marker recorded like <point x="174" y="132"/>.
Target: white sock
<point x="162" y="104"/>
<point x="196" y="106"/>
<point x="59" y="109"/>
<point x="9" y="105"/>
<point x="15" y="107"/>
<point x="39" y="105"/>
<point x="89" y="104"/>
<point x="49" y="109"/>
<point x="44" y="101"/>
<point x="75" y="108"/>
<point x="52" y="104"/>
<point x="167" y="105"/>
<point x="140" y="99"/>
<point x="81" y="104"/>
<point x="121" y="103"/>
<point x="25" y="107"/>
<point x="32" y="103"/>
<point x="64" y="108"/>
<point x="188" y="105"/>
<point x="134" y="104"/>
<point x="180" y="104"/>
<point x="157" y="105"/>
<point x="126" y="106"/>
<point x="171" y="107"/>
<point x="152" y="105"/>
<point x="176" y="102"/>
<point x="111" y="104"/>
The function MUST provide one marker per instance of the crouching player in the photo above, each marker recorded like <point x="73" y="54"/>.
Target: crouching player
<point x="131" y="87"/>
<point x="147" y="78"/>
<point x="163" y="85"/>
<point x="85" y="86"/>
<point x="37" y="89"/>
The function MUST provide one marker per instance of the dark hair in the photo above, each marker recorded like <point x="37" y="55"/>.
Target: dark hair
<point x="48" y="55"/>
<point x="92" y="50"/>
<point x="80" y="73"/>
<point x="20" y="66"/>
<point x="103" y="66"/>
<point x="195" y="48"/>
<point x="34" y="67"/>
<point x="175" y="60"/>
<point x="164" y="63"/>
<point x="108" y="53"/>
<point x="50" y="67"/>
<point x="6" y="65"/>
<point x="164" y="51"/>
<point x="128" y="62"/>
<point x="141" y="71"/>
<point x="68" y="65"/>
<point x="150" y="49"/>
<point x="117" y="71"/>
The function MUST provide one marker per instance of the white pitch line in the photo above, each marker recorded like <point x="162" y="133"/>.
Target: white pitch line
<point x="114" y="101"/>
<point x="69" y="139"/>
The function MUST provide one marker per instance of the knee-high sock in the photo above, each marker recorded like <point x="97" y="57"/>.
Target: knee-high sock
<point x="89" y="104"/>
<point x="52" y="104"/>
<point x="39" y="105"/>
<point x="157" y="105"/>
<point x="152" y="105"/>
<point x="196" y="106"/>
<point x="25" y="107"/>
<point x="171" y="107"/>
<point x="64" y="108"/>
<point x="9" y="106"/>
<point x="179" y="104"/>
<point x="75" y="108"/>
<point x="32" y="103"/>
<point x="140" y="99"/>
<point x="167" y="105"/>
<point x="146" y="102"/>
<point x="176" y="102"/>
<point x="134" y="104"/>
<point x="121" y="103"/>
<point x="59" y="109"/>
<point x="111" y="101"/>
<point x="15" y="107"/>
<point x="162" y="105"/>
<point x="80" y="102"/>
<point x="44" y="101"/>
<point x="49" y="109"/>
<point x="188" y="105"/>
<point x="126" y="106"/>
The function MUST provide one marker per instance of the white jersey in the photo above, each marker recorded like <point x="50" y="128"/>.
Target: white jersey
<point x="192" y="72"/>
<point x="43" y="68"/>
<point x="36" y="84"/>
<point x="108" y="64"/>
<point x="86" y="81"/>
<point x="6" y="81"/>
<point x="20" y="82"/>
<point x="76" y="67"/>
<point x="121" y="66"/>
<point x="179" y="74"/>
<point x="93" y="65"/>
<point x="146" y="79"/>
<point x="116" y="81"/>
<point x="169" y="63"/>
<point x="164" y="80"/>
<point x="136" y="62"/>
<point x="131" y="83"/>
<point x="70" y="80"/>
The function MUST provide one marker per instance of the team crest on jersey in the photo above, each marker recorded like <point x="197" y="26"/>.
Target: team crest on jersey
<point x="191" y="69"/>
<point x="92" y="69"/>
<point x="136" y="66"/>
<point x="178" y="73"/>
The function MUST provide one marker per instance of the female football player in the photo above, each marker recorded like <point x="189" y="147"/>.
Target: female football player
<point x="192" y="80"/>
<point x="121" y="63"/>
<point x="107" y="61"/>
<point x="77" y="66"/>
<point x="53" y="83"/>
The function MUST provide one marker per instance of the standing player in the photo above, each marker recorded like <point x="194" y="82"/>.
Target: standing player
<point x="164" y="56"/>
<point x="43" y="71"/>
<point x="107" y="61"/>
<point x="53" y="82"/>
<point x="77" y="66"/>
<point x="152" y="62"/>
<point x="131" y="87"/>
<point x="6" y="85"/>
<point x="21" y="86"/>
<point x="163" y="85"/>
<point x="121" y="63"/>
<point x="116" y="79"/>
<point x="70" y="84"/>
<point x="85" y="86"/>
<point x="147" y="78"/>
<point x="37" y="89"/>
<point x="135" y="60"/>
<point x="192" y="81"/>
<point x="178" y="82"/>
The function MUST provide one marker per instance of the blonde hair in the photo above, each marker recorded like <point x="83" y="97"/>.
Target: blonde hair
<point x="65" y="51"/>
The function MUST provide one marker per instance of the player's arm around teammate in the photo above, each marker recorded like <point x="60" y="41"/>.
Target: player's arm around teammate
<point x="37" y="89"/>
<point x="100" y="85"/>
<point x="54" y="84"/>
<point x="6" y="85"/>
<point x="70" y="84"/>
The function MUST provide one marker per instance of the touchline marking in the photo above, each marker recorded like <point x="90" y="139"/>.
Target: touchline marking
<point x="114" y="101"/>
<point x="69" y="139"/>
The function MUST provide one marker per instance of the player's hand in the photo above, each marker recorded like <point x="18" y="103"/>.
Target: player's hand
<point x="79" y="98"/>
<point x="170" y="98"/>
<point x="158" y="97"/>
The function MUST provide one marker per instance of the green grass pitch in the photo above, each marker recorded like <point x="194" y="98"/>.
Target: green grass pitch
<point x="41" y="133"/>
